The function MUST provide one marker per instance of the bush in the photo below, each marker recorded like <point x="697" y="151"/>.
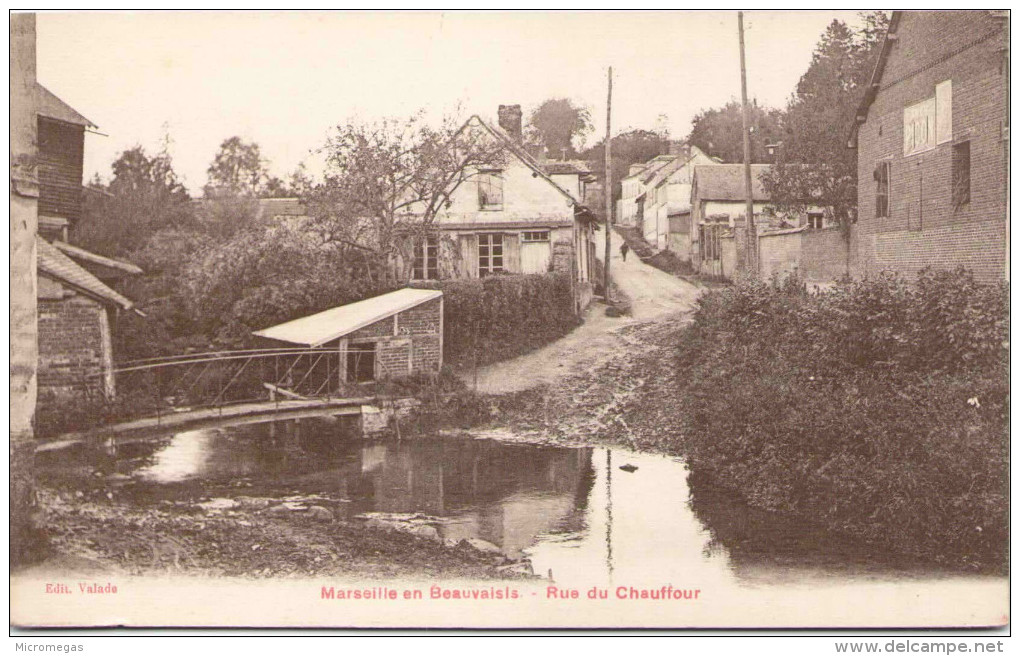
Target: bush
<point x="499" y="317"/>
<point x="878" y="408"/>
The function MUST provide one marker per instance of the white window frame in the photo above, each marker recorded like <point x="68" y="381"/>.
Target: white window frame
<point x="493" y="241"/>
<point x="919" y="127"/>
<point x="422" y="247"/>
<point x="534" y="236"/>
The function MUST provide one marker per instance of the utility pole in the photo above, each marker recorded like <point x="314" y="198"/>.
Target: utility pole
<point x="751" y="240"/>
<point x="608" y="190"/>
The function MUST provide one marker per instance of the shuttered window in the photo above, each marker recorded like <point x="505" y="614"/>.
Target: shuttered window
<point x="882" y="189"/>
<point x="961" y="174"/>
<point x="490" y="190"/>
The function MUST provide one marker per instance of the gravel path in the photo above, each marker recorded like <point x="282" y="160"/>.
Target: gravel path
<point x="655" y="296"/>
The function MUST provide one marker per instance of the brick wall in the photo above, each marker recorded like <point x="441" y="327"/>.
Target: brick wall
<point x="423" y="319"/>
<point x="923" y="226"/>
<point x="74" y="341"/>
<point x="417" y="346"/>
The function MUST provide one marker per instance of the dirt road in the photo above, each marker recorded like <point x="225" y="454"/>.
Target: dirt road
<point x="655" y="296"/>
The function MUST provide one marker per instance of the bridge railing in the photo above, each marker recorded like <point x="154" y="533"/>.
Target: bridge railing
<point x="154" y="387"/>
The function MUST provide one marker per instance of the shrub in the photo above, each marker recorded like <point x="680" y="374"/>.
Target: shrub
<point x="878" y="408"/>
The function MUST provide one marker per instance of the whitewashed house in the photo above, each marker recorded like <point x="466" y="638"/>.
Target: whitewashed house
<point x="523" y="216"/>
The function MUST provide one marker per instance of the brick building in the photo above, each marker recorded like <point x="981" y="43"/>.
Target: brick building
<point x="932" y="136"/>
<point x="76" y="312"/>
<point x="76" y="307"/>
<point x="388" y="336"/>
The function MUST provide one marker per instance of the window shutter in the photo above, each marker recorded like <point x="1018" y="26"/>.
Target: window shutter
<point x="512" y="253"/>
<point x="944" y="111"/>
<point x="468" y="256"/>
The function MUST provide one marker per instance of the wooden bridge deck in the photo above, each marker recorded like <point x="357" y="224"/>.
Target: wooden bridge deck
<point x="242" y="413"/>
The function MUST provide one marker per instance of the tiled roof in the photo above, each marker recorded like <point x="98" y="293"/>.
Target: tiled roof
<point x="86" y="256"/>
<point x="270" y="207"/>
<point x="55" y="264"/>
<point x="50" y="106"/>
<point x="655" y="166"/>
<point x="566" y="167"/>
<point x="726" y="182"/>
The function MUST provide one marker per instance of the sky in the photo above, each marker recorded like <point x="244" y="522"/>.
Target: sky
<point x="284" y="79"/>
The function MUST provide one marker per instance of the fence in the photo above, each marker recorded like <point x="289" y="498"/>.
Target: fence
<point x="155" y="387"/>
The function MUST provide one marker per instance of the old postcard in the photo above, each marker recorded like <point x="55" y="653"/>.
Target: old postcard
<point x="510" y="320"/>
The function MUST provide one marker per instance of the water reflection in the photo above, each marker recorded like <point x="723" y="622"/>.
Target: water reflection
<point x="590" y="516"/>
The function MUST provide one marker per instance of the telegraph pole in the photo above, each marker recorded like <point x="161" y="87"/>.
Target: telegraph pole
<point x="751" y="240"/>
<point x="608" y="191"/>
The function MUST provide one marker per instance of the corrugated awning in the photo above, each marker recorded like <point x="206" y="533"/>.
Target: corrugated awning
<point x="317" y="329"/>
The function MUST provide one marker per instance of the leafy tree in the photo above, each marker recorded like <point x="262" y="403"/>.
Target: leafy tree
<point x="386" y="183"/>
<point x="718" y="132"/>
<point x="556" y="123"/>
<point x="144" y="196"/>
<point x="632" y="147"/>
<point x="814" y="165"/>
<point x="238" y="169"/>
<point x="269" y="274"/>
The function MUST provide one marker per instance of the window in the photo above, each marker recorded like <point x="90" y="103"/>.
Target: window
<point x="961" y="174"/>
<point x="919" y="127"/>
<point x="530" y="237"/>
<point x="930" y="121"/>
<point x="815" y="220"/>
<point x="490" y="253"/>
<point x="882" y="172"/>
<point x="426" y="259"/>
<point x="490" y="190"/>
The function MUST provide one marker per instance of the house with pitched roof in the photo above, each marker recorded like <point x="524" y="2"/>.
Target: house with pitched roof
<point x="632" y="189"/>
<point x="667" y="199"/>
<point x="808" y="244"/>
<point x="524" y="216"/>
<point x="932" y="140"/>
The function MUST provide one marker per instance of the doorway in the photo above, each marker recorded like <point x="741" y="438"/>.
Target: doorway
<point x="361" y="363"/>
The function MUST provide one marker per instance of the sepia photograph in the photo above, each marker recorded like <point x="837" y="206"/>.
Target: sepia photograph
<point x="491" y="320"/>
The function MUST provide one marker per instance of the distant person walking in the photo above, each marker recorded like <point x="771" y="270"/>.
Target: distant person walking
<point x="624" y="249"/>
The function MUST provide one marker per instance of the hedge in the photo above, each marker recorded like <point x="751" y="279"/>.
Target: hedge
<point x="499" y="317"/>
<point x="879" y="408"/>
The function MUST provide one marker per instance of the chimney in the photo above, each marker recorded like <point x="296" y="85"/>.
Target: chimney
<point x="510" y="120"/>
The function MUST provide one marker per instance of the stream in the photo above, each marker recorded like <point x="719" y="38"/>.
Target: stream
<point x="582" y="516"/>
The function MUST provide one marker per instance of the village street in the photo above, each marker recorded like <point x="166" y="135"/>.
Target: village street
<point x="654" y="296"/>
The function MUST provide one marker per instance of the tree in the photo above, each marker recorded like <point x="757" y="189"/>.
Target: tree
<point x="385" y="184"/>
<point x="556" y="123"/>
<point x="144" y="196"/>
<point x="718" y="132"/>
<point x="814" y="166"/>
<point x="632" y="147"/>
<point x="237" y="169"/>
<point x="270" y="274"/>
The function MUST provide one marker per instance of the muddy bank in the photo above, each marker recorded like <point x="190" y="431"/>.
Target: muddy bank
<point x="251" y="537"/>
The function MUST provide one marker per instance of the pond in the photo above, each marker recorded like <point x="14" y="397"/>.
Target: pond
<point x="584" y="516"/>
